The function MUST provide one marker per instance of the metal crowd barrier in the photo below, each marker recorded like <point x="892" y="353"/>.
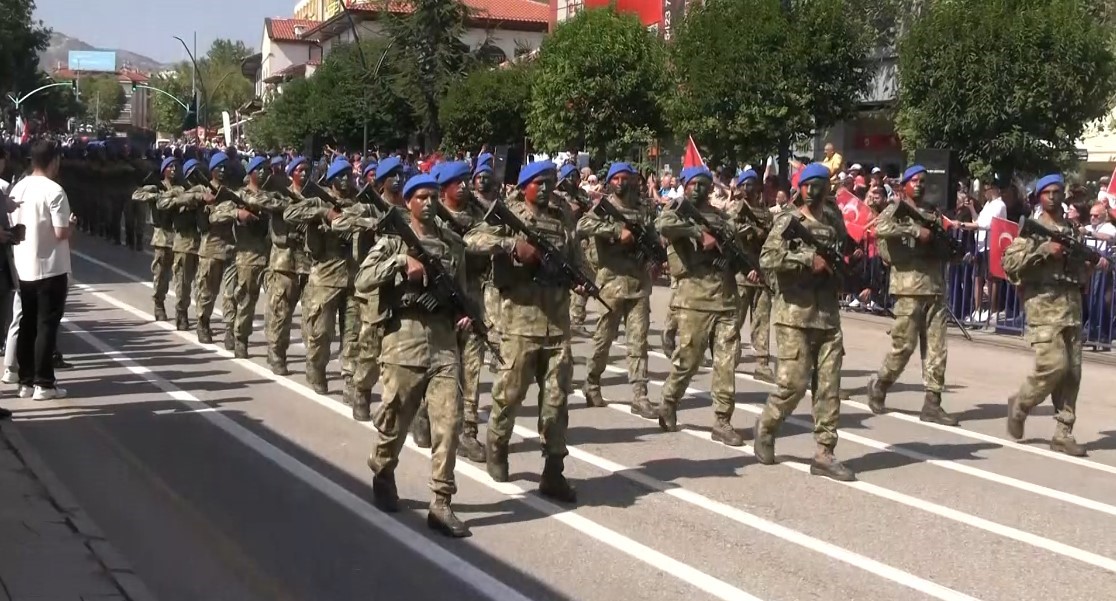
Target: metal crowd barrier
<point x="983" y="302"/>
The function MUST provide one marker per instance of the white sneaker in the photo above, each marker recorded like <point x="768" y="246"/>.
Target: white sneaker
<point x="10" y="377"/>
<point x="25" y="392"/>
<point x="46" y="394"/>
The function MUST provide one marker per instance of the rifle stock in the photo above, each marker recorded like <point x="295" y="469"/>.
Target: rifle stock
<point x="648" y="245"/>
<point x="836" y="260"/>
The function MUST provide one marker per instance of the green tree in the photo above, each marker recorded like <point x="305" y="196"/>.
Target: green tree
<point x="220" y="82"/>
<point x="103" y="98"/>
<point x="599" y="85"/>
<point x="432" y="55"/>
<point x="489" y="107"/>
<point x="752" y="75"/>
<point x="1009" y="84"/>
<point x="168" y="114"/>
<point x="288" y="119"/>
<point x="21" y="40"/>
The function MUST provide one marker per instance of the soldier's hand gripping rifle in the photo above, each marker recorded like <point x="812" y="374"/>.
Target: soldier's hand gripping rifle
<point x="732" y="255"/>
<point x="833" y="257"/>
<point x="219" y="194"/>
<point x="443" y="287"/>
<point x="1075" y="249"/>
<point x="554" y="267"/>
<point x="903" y="210"/>
<point x="314" y="189"/>
<point x="648" y="245"/>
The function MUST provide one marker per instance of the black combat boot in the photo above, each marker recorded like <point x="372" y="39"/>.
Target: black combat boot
<point x="182" y="323"/>
<point x="385" y="495"/>
<point x="723" y="432"/>
<point x="420" y="429"/>
<point x="278" y="365"/>
<point x="668" y="416"/>
<point x="825" y="464"/>
<point x="441" y="519"/>
<point x="362" y="406"/>
<point x="160" y="312"/>
<point x="877" y="394"/>
<point x="592" y="392"/>
<point x="496" y="459"/>
<point x="553" y="484"/>
<point x="240" y="349"/>
<point x="230" y="340"/>
<point x="764" y="444"/>
<point x="932" y="411"/>
<point x="205" y="335"/>
<point x="467" y="444"/>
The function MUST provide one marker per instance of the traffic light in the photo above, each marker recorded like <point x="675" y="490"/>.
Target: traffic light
<point x="190" y="121"/>
<point x="135" y="86"/>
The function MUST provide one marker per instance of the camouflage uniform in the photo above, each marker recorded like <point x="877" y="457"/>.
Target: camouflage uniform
<point x="217" y="243"/>
<point x="809" y="339"/>
<point x="706" y="303"/>
<point x="288" y="270"/>
<point x="161" y="243"/>
<point x="625" y="282"/>
<point x="357" y="222"/>
<point x="535" y="343"/>
<point x="592" y="262"/>
<point x="755" y="297"/>
<point x="421" y="363"/>
<point x="1051" y="290"/>
<point x="252" y="251"/>
<point x="918" y="285"/>
<point x="188" y="220"/>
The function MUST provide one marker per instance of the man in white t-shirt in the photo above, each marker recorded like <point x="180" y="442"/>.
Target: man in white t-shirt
<point x="42" y="262"/>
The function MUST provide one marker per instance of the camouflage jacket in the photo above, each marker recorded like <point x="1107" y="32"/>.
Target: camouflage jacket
<point x="803" y="299"/>
<point x="701" y="285"/>
<point x="252" y="244"/>
<point x="1050" y="286"/>
<point x="188" y="217"/>
<point x="331" y="255"/>
<point x="288" y="245"/>
<point x="621" y="273"/>
<point x="477" y="264"/>
<point x="916" y="269"/>
<point x="218" y="241"/>
<point x="162" y="233"/>
<point x="529" y="306"/>
<point x="415" y="336"/>
<point x="752" y="236"/>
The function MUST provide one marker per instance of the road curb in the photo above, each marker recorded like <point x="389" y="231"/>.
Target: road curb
<point x="115" y="565"/>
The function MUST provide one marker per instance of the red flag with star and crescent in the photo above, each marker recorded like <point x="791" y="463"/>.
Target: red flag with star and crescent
<point x="692" y="157"/>
<point x="1000" y="236"/>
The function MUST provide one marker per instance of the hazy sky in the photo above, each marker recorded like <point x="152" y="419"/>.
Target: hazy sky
<point x="146" y="26"/>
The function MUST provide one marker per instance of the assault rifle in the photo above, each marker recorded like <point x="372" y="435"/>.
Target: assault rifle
<point x="554" y="268"/>
<point x="1075" y="249"/>
<point x="220" y="194"/>
<point x="571" y="191"/>
<point x="648" y="246"/>
<point x="732" y="255"/>
<point x="832" y="256"/>
<point x="903" y="210"/>
<point x="443" y="288"/>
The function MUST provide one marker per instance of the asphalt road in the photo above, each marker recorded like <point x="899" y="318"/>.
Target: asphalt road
<point x="218" y="480"/>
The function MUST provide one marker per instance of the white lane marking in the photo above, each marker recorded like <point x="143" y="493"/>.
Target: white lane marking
<point x="961" y="517"/>
<point x="1002" y="442"/>
<point x="466" y="572"/>
<point x="632" y="548"/>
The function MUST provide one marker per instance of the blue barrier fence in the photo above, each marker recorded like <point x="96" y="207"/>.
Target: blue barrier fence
<point x="983" y="302"/>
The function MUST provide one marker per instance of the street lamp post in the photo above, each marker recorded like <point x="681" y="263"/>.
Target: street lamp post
<point x="196" y="80"/>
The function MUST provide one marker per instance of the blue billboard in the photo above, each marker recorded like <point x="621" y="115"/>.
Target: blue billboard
<point x="91" y="60"/>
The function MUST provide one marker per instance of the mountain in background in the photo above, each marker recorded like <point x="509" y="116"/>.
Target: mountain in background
<point x="60" y="46"/>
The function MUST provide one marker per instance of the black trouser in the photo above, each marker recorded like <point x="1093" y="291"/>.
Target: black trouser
<point x="43" y="303"/>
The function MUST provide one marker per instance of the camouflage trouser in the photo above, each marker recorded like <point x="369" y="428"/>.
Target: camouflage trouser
<point x="161" y="260"/>
<point x="185" y="269"/>
<point x="492" y="311"/>
<point x="670" y="327"/>
<point x="213" y="273"/>
<point x="545" y="362"/>
<point x="800" y="352"/>
<point x="404" y="389"/>
<point x="284" y="289"/>
<point x="919" y="321"/>
<point x="472" y="359"/>
<point x="321" y="305"/>
<point x="757" y="301"/>
<point x="1057" y="372"/>
<point x="370" y="341"/>
<point x="247" y="294"/>
<point x="695" y="330"/>
<point x="636" y="315"/>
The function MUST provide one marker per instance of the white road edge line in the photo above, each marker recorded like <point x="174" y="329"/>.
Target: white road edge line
<point x="1002" y="442"/>
<point x="476" y="578"/>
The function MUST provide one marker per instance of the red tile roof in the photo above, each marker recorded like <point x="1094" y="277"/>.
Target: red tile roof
<point x="524" y="11"/>
<point x="283" y="30"/>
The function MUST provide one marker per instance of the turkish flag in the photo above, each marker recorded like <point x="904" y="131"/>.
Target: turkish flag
<point x="1000" y="236"/>
<point x="693" y="157"/>
<point x="856" y="213"/>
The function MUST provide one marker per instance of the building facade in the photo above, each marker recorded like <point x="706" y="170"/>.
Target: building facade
<point x="136" y="115"/>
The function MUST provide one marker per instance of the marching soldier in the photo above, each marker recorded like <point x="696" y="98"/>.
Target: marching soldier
<point x="1050" y="279"/>
<point x="289" y="268"/>
<point x="755" y="297"/>
<point x="252" y="250"/>
<point x="189" y="219"/>
<point x="535" y="335"/>
<point x="624" y="277"/>
<point x="420" y="355"/>
<point x="706" y="301"/>
<point x="569" y="188"/>
<point x="807" y="325"/>
<point x="486" y="190"/>
<point x="161" y="236"/>
<point x="217" y="242"/>
<point x="918" y="285"/>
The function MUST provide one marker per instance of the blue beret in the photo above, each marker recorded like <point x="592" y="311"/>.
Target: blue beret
<point x="388" y="167"/>
<point x="566" y="171"/>
<point x="457" y="170"/>
<point x="369" y="167"/>
<point x="485" y="158"/>
<point x="912" y="171"/>
<point x="436" y="170"/>
<point x="255" y="163"/>
<point x="1053" y="179"/>
<point x="746" y="175"/>
<point x="189" y="166"/>
<point x="294" y="164"/>
<point x="813" y="171"/>
<point x="690" y="173"/>
<point x="167" y="162"/>
<point x="617" y="168"/>
<point x="338" y="167"/>
<point x="419" y="181"/>
<point x="485" y="168"/>
<point x="217" y="159"/>
<point x="277" y="160"/>
<point x="532" y="170"/>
